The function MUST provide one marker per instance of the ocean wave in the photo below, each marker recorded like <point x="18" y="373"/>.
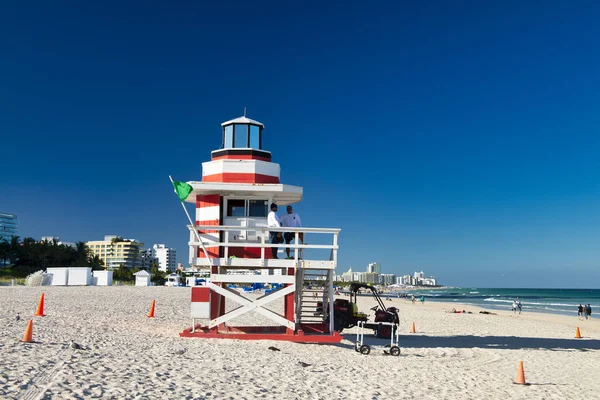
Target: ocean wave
<point x="530" y="303"/>
<point x="473" y="292"/>
<point x="498" y="300"/>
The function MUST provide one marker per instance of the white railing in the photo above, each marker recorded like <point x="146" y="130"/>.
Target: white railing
<point x="263" y="242"/>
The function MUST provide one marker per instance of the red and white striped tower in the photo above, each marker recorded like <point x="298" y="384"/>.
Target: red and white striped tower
<point x="237" y="187"/>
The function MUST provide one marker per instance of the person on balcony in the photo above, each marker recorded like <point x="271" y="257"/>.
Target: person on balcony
<point x="274" y="221"/>
<point x="291" y="220"/>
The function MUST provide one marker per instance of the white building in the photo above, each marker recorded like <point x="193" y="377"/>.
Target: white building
<point x="374" y="267"/>
<point x="357" y="277"/>
<point x="142" y="278"/>
<point x="419" y="275"/>
<point x="167" y="260"/>
<point x="347" y="276"/>
<point x="429" y="281"/>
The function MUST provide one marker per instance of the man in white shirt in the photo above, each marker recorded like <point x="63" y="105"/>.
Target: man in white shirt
<point x="291" y="220"/>
<point x="273" y="220"/>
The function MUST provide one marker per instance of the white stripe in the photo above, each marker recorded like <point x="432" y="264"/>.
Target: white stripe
<point x="200" y="310"/>
<point x="240" y="167"/>
<point x="204" y="214"/>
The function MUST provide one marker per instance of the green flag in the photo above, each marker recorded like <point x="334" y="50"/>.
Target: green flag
<point x="182" y="189"/>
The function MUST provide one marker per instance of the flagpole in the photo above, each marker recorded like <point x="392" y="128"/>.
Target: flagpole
<point x="193" y="225"/>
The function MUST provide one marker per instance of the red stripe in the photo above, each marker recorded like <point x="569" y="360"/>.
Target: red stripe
<point x="204" y="223"/>
<point x="233" y="177"/>
<point x="241" y="157"/>
<point x="200" y="294"/>
<point x="207" y="200"/>
<point x="213" y="252"/>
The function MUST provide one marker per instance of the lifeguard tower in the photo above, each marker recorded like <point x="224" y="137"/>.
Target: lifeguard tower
<point x="231" y="240"/>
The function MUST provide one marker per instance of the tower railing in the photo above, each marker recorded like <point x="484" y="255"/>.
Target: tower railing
<point x="262" y="242"/>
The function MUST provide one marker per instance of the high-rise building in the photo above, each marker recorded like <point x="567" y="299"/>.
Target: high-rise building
<point x="8" y="226"/>
<point x="387" y="279"/>
<point x="115" y="251"/>
<point x="167" y="260"/>
<point x="374" y="267"/>
<point x="347" y="276"/>
<point x="147" y="259"/>
<point x="371" y="278"/>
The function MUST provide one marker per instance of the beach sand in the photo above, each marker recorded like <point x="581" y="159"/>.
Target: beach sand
<point x="451" y="356"/>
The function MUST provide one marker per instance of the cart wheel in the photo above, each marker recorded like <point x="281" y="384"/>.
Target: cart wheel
<point x="357" y="347"/>
<point x="365" y="349"/>
<point x="395" y="351"/>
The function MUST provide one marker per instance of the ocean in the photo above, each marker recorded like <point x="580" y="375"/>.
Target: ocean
<point x="557" y="301"/>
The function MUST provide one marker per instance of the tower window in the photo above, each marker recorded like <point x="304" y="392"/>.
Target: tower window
<point x="241" y="136"/>
<point x="228" y="140"/>
<point x="236" y="208"/>
<point x="254" y="137"/>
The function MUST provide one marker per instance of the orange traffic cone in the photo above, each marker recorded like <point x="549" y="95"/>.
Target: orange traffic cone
<point x="520" y="375"/>
<point x="577" y="333"/>
<point x="40" y="309"/>
<point x="28" y="336"/>
<point x="413" y="330"/>
<point x="151" y="313"/>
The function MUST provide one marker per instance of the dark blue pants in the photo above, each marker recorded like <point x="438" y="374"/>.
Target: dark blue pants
<point x="273" y="236"/>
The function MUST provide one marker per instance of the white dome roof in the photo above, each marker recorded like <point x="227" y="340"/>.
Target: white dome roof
<point x="242" y="120"/>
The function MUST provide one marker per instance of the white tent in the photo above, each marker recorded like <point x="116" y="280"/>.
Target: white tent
<point x="60" y="276"/>
<point x="103" y="278"/>
<point x="79" y="276"/>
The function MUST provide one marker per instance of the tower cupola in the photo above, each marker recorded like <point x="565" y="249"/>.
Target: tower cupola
<point x="242" y="133"/>
<point x="242" y="139"/>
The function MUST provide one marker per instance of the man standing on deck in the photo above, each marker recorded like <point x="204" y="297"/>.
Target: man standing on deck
<point x="291" y="220"/>
<point x="273" y="220"/>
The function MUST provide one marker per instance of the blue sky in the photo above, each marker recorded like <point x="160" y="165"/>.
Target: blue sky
<point x="458" y="138"/>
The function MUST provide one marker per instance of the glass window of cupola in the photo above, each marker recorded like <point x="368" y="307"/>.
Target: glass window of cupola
<point x="242" y="136"/>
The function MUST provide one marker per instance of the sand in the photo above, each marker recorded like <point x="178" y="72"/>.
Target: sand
<point x="451" y="356"/>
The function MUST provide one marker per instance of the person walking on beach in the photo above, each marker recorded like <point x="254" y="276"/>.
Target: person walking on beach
<point x="588" y="311"/>
<point x="519" y="306"/>
<point x="274" y="221"/>
<point x="291" y="220"/>
<point x="580" y="312"/>
<point x="514" y="307"/>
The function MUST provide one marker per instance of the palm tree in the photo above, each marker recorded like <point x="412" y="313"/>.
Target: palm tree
<point x="4" y="251"/>
<point x="14" y="250"/>
<point x="83" y="254"/>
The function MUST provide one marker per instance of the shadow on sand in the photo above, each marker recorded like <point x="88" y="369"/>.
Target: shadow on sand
<point x="493" y="342"/>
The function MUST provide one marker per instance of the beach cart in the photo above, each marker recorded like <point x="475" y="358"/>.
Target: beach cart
<point x="362" y="348"/>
